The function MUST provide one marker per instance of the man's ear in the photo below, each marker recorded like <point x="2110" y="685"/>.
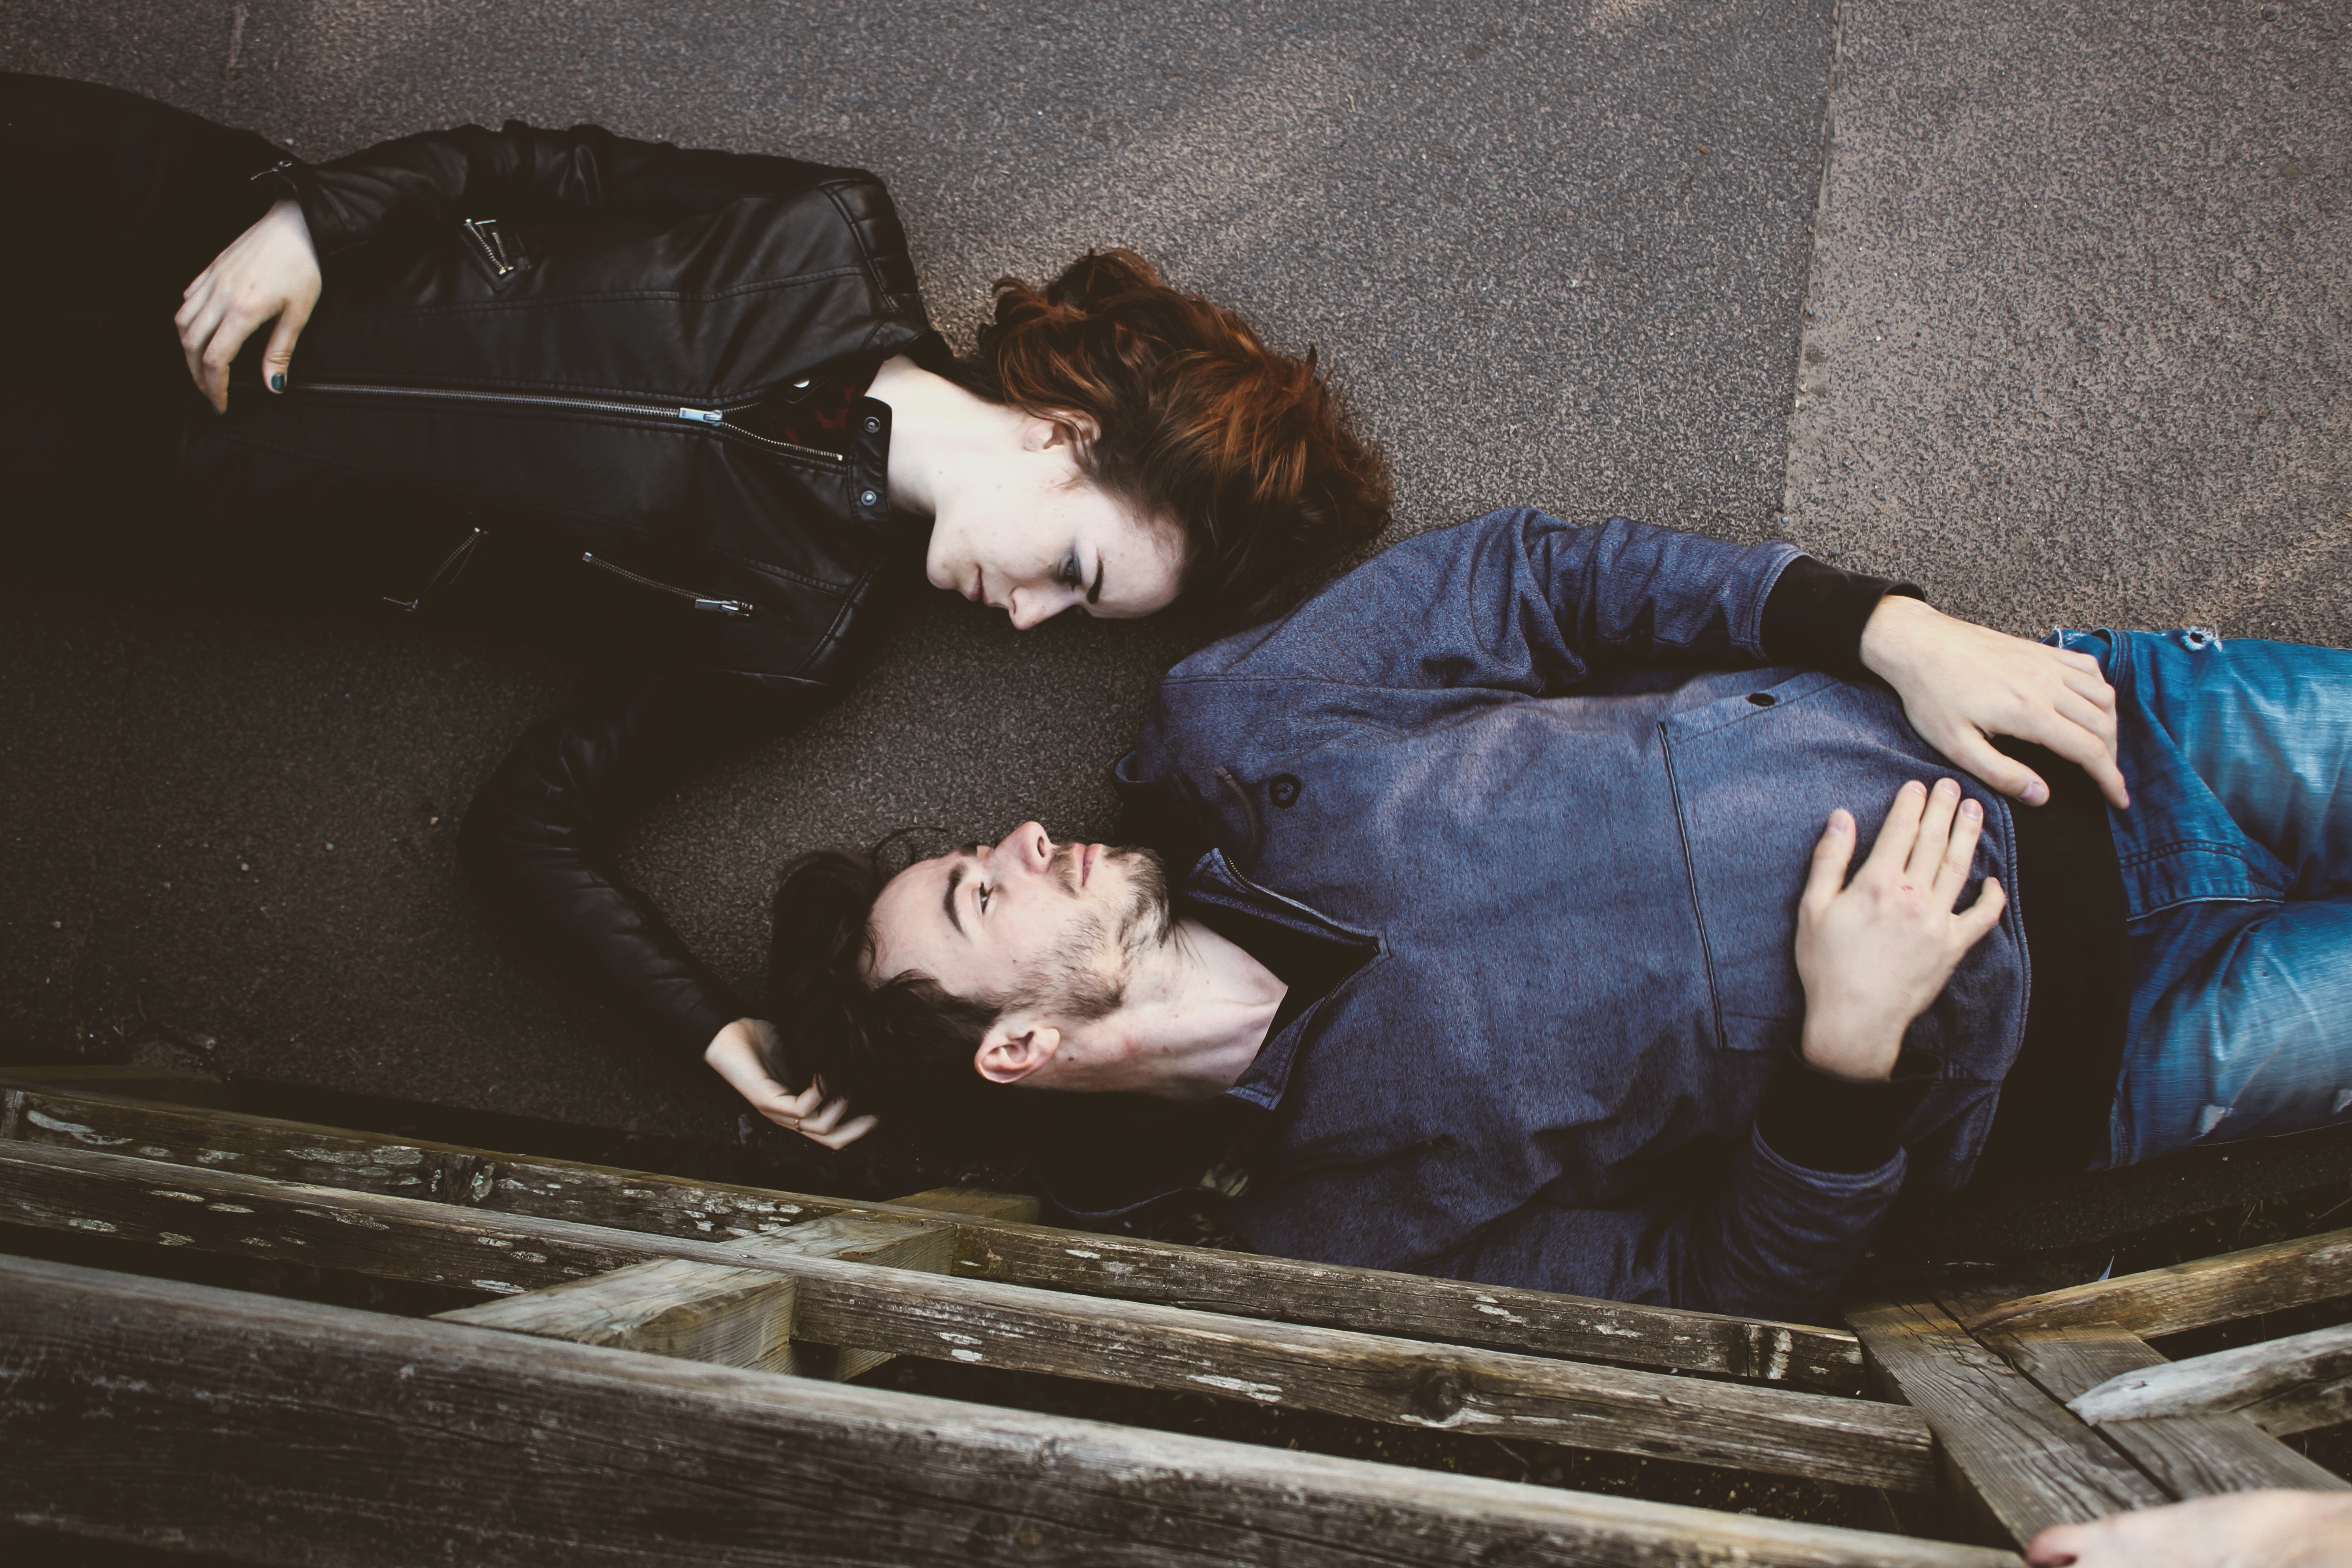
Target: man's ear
<point x="1009" y="1052"/>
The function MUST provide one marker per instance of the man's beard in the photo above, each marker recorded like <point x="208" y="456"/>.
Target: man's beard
<point x="1073" y="982"/>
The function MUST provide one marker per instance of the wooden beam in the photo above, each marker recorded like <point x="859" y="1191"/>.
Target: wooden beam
<point x="2305" y="1371"/>
<point x="985" y="1203"/>
<point x="178" y="1086"/>
<point x="2186" y="1455"/>
<point x="674" y="1307"/>
<point x="1406" y="1306"/>
<point x="285" y="1432"/>
<point x="2012" y="1452"/>
<point x="1139" y="1343"/>
<point x="2192" y="1295"/>
<point x="886" y="1243"/>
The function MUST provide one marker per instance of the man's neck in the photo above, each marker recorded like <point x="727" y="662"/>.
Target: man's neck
<point x="1197" y="1010"/>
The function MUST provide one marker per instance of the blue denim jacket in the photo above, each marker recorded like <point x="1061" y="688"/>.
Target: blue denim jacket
<point x="1541" y="766"/>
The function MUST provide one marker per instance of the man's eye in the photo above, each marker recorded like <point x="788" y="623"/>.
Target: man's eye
<point x="980" y="894"/>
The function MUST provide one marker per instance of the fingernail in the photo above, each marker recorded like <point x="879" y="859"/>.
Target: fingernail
<point x="278" y="382"/>
<point x="1971" y="808"/>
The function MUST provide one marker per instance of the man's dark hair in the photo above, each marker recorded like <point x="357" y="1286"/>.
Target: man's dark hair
<point x="904" y="1048"/>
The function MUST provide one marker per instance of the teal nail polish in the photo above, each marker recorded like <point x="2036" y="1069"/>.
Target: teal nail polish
<point x="278" y="382"/>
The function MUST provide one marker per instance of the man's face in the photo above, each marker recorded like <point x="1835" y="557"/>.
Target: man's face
<point x="1027" y="921"/>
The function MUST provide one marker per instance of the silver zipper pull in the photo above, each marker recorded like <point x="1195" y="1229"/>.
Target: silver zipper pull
<point x="702" y="416"/>
<point x="735" y="608"/>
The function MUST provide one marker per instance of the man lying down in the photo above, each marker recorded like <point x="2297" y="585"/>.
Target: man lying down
<point x="1521" y="910"/>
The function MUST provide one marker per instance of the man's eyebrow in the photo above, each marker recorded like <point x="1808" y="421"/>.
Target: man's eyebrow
<point x="955" y="880"/>
<point x="1094" y="595"/>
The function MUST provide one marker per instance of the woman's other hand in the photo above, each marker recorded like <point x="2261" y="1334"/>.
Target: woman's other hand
<point x="1961" y="684"/>
<point x="1872" y="953"/>
<point x="269" y="270"/>
<point x="740" y="1053"/>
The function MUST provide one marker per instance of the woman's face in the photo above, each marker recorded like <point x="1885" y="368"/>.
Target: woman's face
<point x="1023" y="531"/>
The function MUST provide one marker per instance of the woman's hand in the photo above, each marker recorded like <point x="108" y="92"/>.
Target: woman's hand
<point x="269" y="270"/>
<point x="2228" y="1530"/>
<point x="739" y="1052"/>
<point x="1874" y="954"/>
<point x="1962" y="684"/>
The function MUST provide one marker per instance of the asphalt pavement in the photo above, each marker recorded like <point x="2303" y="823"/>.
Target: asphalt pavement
<point x="2041" y="304"/>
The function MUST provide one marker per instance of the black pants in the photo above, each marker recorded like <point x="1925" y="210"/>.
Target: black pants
<point x="113" y="203"/>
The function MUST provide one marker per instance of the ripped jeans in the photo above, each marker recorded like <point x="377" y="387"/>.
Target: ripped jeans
<point x="2237" y="863"/>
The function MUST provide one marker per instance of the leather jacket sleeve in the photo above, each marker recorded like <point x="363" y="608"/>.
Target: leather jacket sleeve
<point x="538" y="837"/>
<point x="422" y="183"/>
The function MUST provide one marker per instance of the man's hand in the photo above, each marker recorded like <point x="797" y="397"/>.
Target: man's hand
<point x="270" y="269"/>
<point x="738" y="1053"/>
<point x="1874" y="954"/>
<point x="1962" y="684"/>
<point x="2232" y="1530"/>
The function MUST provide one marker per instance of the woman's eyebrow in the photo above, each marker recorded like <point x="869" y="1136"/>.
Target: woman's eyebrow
<point x="1094" y="595"/>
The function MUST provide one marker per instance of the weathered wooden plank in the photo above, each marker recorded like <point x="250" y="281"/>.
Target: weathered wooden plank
<point x="285" y="1432"/>
<point x="2186" y="1455"/>
<point x="1371" y="1302"/>
<point x="2225" y="1380"/>
<point x="180" y="1086"/>
<point x="2192" y="1295"/>
<point x="1139" y="1343"/>
<point x="2012" y="1451"/>
<point x="986" y="1202"/>
<point x="698" y="1311"/>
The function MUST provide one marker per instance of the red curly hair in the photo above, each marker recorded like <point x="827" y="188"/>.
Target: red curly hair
<point x="1200" y="425"/>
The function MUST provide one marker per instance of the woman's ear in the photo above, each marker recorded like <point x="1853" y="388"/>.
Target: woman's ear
<point x="1059" y="427"/>
<point x="1009" y="1053"/>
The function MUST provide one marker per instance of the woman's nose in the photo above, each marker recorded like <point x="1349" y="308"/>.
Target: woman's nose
<point x="1026" y="608"/>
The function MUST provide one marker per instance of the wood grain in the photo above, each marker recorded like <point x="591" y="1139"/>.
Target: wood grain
<point x="2225" y="1379"/>
<point x="2012" y="1451"/>
<point x="886" y="1243"/>
<point x="1370" y="1300"/>
<point x="894" y="1309"/>
<point x="672" y="1306"/>
<point x="286" y="1432"/>
<point x="2186" y="1455"/>
<point x="2192" y="1295"/>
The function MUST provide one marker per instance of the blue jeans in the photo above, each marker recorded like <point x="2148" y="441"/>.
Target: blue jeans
<point x="2237" y="863"/>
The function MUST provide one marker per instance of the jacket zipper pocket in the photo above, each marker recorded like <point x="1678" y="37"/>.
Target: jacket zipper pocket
<point x="451" y="564"/>
<point x="736" y="609"/>
<point x="491" y="243"/>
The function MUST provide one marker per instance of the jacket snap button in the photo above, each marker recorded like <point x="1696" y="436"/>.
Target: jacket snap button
<point x="866" y="498"/>
<point x="803" y="383"/>
<point x="1284" y="791"/>
<point x="1762" y="699"/>
<point x="873" y="426"/>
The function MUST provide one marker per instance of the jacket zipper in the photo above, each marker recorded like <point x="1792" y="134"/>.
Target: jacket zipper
<point x="734" y="609"/>
<point x="484" y="233"/>
<point x="451" y="564"/>
<point x="707" y="417"/>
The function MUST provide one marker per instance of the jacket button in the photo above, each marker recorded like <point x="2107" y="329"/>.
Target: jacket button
<point x="1762" y="699"/>
<point x="873" y="426"/>
<point x="867" y="498"/>
<point x="1284" y="790"/>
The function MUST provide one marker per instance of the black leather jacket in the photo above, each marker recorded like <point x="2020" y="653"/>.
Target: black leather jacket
<point x="536" y="338"/>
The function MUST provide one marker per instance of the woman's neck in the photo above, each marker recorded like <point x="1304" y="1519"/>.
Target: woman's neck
<point x="937" y="429"/>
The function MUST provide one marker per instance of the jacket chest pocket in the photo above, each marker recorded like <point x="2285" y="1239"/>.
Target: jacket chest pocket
<point x="1747" y="840"/>
<point x="494" y="248"/>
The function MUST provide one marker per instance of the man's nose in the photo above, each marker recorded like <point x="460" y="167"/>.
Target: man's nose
<point x="1026" y="848"/>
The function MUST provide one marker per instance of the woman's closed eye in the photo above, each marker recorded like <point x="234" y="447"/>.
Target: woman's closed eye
<point x="1068" y="574"/>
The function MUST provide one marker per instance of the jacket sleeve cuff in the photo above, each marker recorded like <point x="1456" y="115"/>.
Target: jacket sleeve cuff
<point x="1822" y="1123"/>
<point x="1815" y="614"/>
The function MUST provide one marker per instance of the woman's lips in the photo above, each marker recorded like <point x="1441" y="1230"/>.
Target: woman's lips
<point x="979" y="583"/>
<point x="1087" y="862"/>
